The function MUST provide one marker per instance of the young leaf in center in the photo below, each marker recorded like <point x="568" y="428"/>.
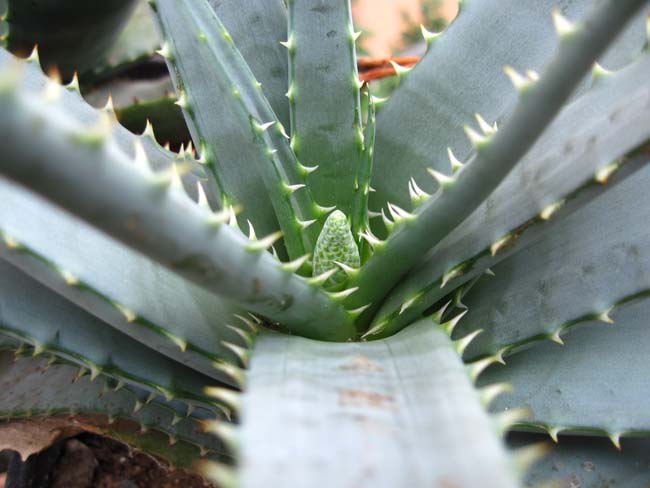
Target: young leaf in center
<point x="335" y="244"/>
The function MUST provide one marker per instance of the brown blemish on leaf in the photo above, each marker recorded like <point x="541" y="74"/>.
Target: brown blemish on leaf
<point x="361" y="398"/>
<point x="361" y="363"/>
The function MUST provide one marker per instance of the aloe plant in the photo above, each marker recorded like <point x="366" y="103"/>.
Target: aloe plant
<point x="329" y="284"/>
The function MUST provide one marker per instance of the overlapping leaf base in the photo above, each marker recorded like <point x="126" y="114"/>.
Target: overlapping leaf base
<point x="396" y="412"/>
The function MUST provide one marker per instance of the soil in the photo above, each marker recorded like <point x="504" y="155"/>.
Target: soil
<point x="95" y="461"/>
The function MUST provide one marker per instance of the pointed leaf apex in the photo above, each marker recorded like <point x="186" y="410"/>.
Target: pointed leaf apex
<point x="563" y="26"/>
<point x="533" y="75"/>
<point x="408" y="303"/>
<point x="399" y="214"/>
<point x="306" y="223"/>
<point x="371" y="239"/>
<point x="399" y="69"/>
<point x="604" y="316"/>
<point x="251" y="231"/>
<point x="342" y="295"/>
<point x="375" y="329"/>
<point x="264" y="243"/>
<point x="33" y="56"/>
<point x="355" y="312"/>
<point x="348" y="270"/>
<point x="289" y="43"/>
<point x="520" y="82"/>
<point x="487" y="129"/>
<point x="165" y="51"/>
<point x="615" y="437"/>
<point x="509" y="418"/>
<point x="461" y="344"/>
<point x="443" y="180"/>
<point x="489" y="393"/>
<point x="129" y="315"/>
<point x="148" y="131"/>
<point x="450" y="325"/>
<point x="305" y="170"/>
<point x="454" y="272"/>
<point x="264" y="127"/>
<point x="202" y="200"/>
<point x="292" y="188"/>
<point x="296" y="264"/>
<point x="548" y="211"/>
<point x="321" y="278"/>
<point x="74" y="83"/>
<point x="109" y="106"/>
<point x="377" y="101"/>
<point x="553" y="432"/>
<point x="455" y="163"/>
<point x="598" y="72"/>
<point x="500" y="244"/>
<point x="603" y="174"/>
<point x="556" y="337"/>
<point x="477" y="140"/>
<point x="427" y="35"/>
<point x="438" y="314"/>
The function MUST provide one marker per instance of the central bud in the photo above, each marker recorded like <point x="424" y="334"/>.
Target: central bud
<point x="335" y="244"/>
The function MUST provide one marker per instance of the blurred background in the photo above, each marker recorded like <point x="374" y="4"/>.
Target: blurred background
<point x="122" y="62"/>
<point x="392" y="27"/>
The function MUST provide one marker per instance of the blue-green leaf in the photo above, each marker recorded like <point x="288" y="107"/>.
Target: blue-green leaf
<point x="324" y="97"/>
<point x="582" y="267"/>
<point x="461" y="75"/>
<point x="396" y="412"/>
<point x="597" y="383"/>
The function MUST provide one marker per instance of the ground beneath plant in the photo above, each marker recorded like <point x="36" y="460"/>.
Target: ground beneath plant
<point x="95" y="461"/>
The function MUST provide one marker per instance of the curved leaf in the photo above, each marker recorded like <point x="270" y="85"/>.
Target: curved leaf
<point x="31" y="388"/>
<point x="567" y="391"/>
<point x="583" y="266"/>
<point x="149" y="211"/>
<point x="395" y="412"/>
<point x="579" y="149"/>
<point x="324" y="97"/>
<point x="462" y="74"/>
<point x="36" y="315"/>
<point x="257" y="27"/>
<point x="588" y="462"/>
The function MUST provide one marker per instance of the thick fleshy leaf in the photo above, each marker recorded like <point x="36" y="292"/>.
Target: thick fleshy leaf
<point x="462" y="74"/>
<point x="257" y="27"/>
<point x="596" y="384"/>
<point x="132" y="293"/>
<point x="233" y="125"/>
<point x="580" y="148"/>
<point x="541" y="98"/>
<point x="160" y="159"/>
<point x="324" y="98"/>
<point x="38" y="316"/>
<point x="582" y="267"/>
<point x="150" y="212"/>
<point x="587" y="462"/>
<point x="32" y="387"/>
<point x="396" y="412"/>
